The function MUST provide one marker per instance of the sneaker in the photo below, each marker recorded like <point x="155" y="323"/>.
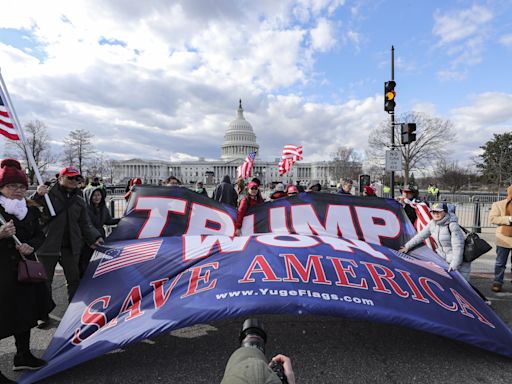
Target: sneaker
<point x="27" y="361"/>
<point x="496" y="287"/>
<point x="5" y="380"/>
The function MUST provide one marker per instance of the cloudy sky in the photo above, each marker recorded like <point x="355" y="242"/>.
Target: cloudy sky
<point x="161" y="79"/>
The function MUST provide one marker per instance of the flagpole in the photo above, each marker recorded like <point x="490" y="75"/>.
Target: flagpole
<point x="10" y="108"/>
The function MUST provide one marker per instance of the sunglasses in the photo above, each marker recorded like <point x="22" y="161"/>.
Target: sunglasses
<point x="254" y="188"/>
<point x="74" y="178"/>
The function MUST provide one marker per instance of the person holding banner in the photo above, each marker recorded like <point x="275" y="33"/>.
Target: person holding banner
<point x="22" y="303"/>
<point x="251" y="199"/>
<point x="448" y="236"/>
<point x="66" y="231"/>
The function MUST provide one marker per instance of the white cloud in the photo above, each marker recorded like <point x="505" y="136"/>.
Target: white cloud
<point x="162" y="79"/>
<point x="321" y="36"/>
<point x="506" y="40"/>
<point x="489" y="113"/>
<point x="456" y="26"/>
<point x="462" y="35"/>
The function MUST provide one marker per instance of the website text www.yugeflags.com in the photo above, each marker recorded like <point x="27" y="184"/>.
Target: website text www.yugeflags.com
<point x="291" y="292"/>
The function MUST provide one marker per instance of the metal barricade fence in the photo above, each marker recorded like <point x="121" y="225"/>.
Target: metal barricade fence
<point x="473" y="215"/>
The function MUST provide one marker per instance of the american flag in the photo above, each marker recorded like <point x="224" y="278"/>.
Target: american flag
<point x="291" y="154"/>
<point x="423" y="218"/>
<point x="244" y="171"/>
<point x="117" y="258"/>
<point x="6" y="127"/>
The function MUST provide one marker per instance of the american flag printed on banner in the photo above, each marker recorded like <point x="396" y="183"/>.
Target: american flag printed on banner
<point x="6" y="126"/>
<point x="117" y="258"/>
<point x="291" y="154"/>
<point x="244" y="171"/>
<point x="423" y="218"/>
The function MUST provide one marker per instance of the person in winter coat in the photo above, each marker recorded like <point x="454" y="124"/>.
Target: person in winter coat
<point x="251" y="199"/>
<point x="225" y="192"/>
<point x="501" y="215"/>
<point x="292" y="190"/>
<point x="409" y="196"/>
<point x="133" y="182"/>
<point x="448" y="236"/>
<point x="23" y="304"/>
<point x="278" y="192"/>
<point x="314" y="186"/>
<point x="100" y="216"/>
<point x="201" y="189"/>
<point x="345" y="186"/>
<point x="66" y="231"/>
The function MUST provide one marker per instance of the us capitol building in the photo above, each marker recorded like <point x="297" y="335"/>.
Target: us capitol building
<point x="239" y="141"/>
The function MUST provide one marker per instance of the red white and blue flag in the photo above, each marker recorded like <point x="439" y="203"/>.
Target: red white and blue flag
<point x="291" y="154"/>
<point x="6" y="126"/>
<point x="204" y="274"/>
<point x="244" y="171"/>
<point x="423" y="218"/>
<point x="117" y="258"/>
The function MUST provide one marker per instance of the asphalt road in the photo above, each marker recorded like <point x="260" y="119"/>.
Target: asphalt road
<point x="323" y="350"/>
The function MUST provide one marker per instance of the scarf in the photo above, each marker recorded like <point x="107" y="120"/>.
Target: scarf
<point x="14" y="207"/>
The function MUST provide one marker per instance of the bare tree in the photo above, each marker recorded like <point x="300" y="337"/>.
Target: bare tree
<point x="38" y="140"/>
<point x="346" y="163"/>
<point x="451" y="175"/>
<point x="78" y="148"/>
<point x="430" y="145"/>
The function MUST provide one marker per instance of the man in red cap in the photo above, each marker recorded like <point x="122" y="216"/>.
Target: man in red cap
<point x="66" y="231"/>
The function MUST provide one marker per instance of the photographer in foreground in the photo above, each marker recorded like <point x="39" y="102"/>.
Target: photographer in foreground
<point x="248" y="364"/>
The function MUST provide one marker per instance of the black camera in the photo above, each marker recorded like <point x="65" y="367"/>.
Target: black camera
<point x="279" y="371"/>
<point x="253" y="335"/>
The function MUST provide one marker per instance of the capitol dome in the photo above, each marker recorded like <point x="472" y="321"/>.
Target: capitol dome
<point x="239" y="139"/>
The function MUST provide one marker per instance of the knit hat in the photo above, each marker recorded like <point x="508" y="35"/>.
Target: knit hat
<point x="11" y="173"/>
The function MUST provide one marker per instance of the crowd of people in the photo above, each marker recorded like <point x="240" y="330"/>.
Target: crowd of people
<point x="70" y="236"/>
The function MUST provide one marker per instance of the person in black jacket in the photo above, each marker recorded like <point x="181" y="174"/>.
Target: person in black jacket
<point x="225" y="192"/>
<point x="66" y="231"/>
<point x="22" y="303"/>
<point x="201" y="189"/>
<point x="99" y="215"/>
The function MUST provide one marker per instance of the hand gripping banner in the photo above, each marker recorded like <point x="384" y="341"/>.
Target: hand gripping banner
<point x="173" y="262"/>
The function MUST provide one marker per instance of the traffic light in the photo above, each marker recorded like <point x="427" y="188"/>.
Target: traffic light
<point x="408" y="133"/>
<point x="389" y="96"/>
<point x="364" y="180"/>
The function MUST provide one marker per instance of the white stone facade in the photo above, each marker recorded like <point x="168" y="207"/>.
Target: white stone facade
<point x="239" y="141"/>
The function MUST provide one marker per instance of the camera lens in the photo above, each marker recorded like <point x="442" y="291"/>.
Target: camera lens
<point x="253" y="334"/>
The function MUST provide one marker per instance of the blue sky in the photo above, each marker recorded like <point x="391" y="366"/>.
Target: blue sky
<point x="161" y="80"/>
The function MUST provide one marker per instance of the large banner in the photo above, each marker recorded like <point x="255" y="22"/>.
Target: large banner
<point x="173" y="262"/>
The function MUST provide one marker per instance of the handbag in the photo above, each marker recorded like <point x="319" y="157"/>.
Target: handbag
<point x="31" y="271"/>
<point x="474" y="246"/>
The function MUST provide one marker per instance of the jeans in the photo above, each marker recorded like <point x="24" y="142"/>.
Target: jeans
<point x="501" y="263"/>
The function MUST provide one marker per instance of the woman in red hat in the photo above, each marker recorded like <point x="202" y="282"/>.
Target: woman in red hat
<point x="251" y="199"/>
<point x="23" y="304"/>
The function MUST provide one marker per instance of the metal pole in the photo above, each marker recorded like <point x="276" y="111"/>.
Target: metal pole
<point x="392" y="181"/>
